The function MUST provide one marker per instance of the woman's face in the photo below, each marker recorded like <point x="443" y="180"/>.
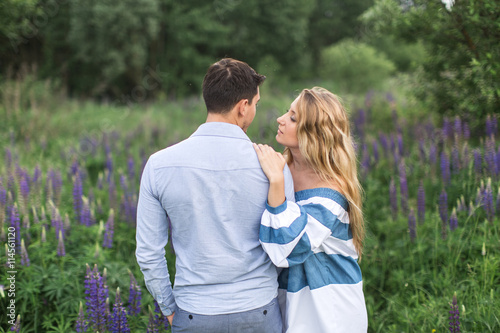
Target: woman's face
<point x="287" y="127"/>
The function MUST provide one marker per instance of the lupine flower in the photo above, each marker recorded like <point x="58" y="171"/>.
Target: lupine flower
<point x="393" y="196"/>
<point x="412" y="225"/>
<point x="375" y="151"/>
<point x="161" y="320"/>
<point x="17" y="325"/>
<point x="432" y="153"/>
<point x="56" y="182"/>
<point x="465" y="156"/>
<point x="466" y="130"/>
<point x="86" y="215"/>
<point x="491" y="126"/>
<point x="3" y="204"/>
<point x="61" y="251"/>
<point x="490" y="156"/>
<point x="24" y="186"/>
<point x="458" y="127"/>
<point x="455" y="159"/>
<point x="96" y="295"/>
<point x="25" y="260"/>
<point x="403" y="187"/>
<point x="152" y="328"/>
<point x="400" y="145"/>
<point x="118" y="318"/>
<point x="108" y="234"/>
<point x="131" y="168"/>
<point x="109" y="166"/>
<point x="81" y="322"/>
<point x="443" y="211"/>
<point x="77" y="197"/>
<point x="478" y="167"/>
<point x="487" y="201"/>
<point x="8" y="158"/>
<point x="383" y="142"/>
<point x="445" y="168"/>
<point x="454" y="316"/>
<point x="447" y="129"/>
<point x="421" y="203"/>
<point x="134" y="299"/>
<point x="453" y="220"/>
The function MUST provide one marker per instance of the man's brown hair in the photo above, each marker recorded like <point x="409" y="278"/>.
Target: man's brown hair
<point x="227" y="82"/>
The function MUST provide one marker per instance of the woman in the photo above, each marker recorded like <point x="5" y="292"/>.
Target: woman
<point x="318" y="239"/>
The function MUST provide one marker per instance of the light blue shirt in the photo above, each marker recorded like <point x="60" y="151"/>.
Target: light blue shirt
<point x="213" y="190"/>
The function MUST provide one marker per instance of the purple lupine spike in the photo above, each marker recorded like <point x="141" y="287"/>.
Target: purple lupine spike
<point x="497" y="161"/>
<point x="455" y="160"/>
<point x="131" y="168"/>
<point x="77" y="197"/>
<point x="61" y="251"/>
<point x="160" y="319"/>
<point x="465" y="156"/>
<point x="8" y="158"/>
<point x="400" y="145"/>
<point x="17" y="325"/>
<point x="478" y="162"/>
<point x="152" y="328"/>
<point x="488" y="205"/>
<point x="75" y="168"/>
<point x="453" y="220"/>
<point x="490" y="156"/>
<point x="96" y="295"/>
<point x="37" y="175"/>
<point x="443" y="211"/>
<point x="25" y="188"/>
<point x="365" y="162"/>
<point x="81" y="322"/>
<point x="118" y="318"/>
<point x="458" y="127"/>
<point x="412" y="225"/>
<point x="86" y="216"/>
<point x="421" y="203"/>
<point x="432" y="153"/>
<point x="134" y="299"/>
<point x="454" y="316"/>
<point x="445" y="168"/>
<point x="108" y="233"/>
<point x="383" y="142"/>
<point x="447" y="129"/>
<point x="15" y="223"/>
<point x="109" y="166"/>
<point x="56" y="182"/>
<point x="393" y="196"/>
<point x="466" y="129"/>
<point x="25" y="260"/>
<point x="403" y="187"/>
<point x="375" y="151"/>
<point x="3" y="204"/>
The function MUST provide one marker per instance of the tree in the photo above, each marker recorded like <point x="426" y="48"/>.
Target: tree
<point x="462" y="72"/>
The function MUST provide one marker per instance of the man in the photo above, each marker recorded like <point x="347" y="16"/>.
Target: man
<point x="213" y="190"/>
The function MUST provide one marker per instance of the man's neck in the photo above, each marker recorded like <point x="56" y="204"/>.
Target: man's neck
<point x="222" y="118"/>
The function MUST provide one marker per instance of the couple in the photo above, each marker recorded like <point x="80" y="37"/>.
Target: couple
<point x="240" y="210"/>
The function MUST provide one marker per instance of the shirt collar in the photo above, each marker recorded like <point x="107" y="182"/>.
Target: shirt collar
<point x="220" y="129"/>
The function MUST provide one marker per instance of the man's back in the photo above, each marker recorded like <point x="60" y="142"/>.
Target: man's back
<point x="214" y="192"/>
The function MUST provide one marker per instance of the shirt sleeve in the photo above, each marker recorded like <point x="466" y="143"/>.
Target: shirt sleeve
<point x="151" y="238"/>
<point x="289" y="235"/>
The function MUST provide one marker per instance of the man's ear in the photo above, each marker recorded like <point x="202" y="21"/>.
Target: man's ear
<point x="242" y="107"/>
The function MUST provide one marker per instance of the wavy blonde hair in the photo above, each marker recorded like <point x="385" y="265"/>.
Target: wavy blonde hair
<point x="325" y="142"/>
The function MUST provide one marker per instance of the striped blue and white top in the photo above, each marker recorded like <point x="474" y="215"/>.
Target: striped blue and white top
<point x="321" y="289"/>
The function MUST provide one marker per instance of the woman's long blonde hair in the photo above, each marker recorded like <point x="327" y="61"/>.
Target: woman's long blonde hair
<point x="325" y="142"/>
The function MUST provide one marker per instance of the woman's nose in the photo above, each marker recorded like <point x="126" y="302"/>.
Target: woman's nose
<point x="280" y="120"/>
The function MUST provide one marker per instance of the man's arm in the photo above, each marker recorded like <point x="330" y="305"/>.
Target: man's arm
<point x="152" y="237"/>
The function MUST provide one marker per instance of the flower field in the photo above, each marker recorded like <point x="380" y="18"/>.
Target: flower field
<point x="68" y="192"/>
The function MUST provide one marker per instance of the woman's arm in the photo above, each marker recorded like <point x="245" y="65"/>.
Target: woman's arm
<point x="272" y="164"/>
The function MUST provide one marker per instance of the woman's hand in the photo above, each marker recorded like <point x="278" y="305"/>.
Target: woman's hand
<point x="272" y="164"/>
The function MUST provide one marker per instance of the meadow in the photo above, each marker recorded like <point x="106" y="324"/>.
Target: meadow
<point x="69" y="177"/>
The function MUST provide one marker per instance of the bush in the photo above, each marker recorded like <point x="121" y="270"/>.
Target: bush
<point x="357" y="66"/>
